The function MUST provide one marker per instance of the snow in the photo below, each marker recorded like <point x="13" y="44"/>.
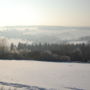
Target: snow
<point x="36" y="75"/>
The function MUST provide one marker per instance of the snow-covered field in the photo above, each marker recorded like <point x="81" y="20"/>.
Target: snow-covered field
<point x="35" y="75"/>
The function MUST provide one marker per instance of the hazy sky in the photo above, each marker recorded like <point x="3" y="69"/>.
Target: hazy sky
<point x="45" y="12"/>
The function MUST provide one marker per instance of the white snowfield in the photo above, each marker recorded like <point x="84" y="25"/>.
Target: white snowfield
<point x="36" y="75"/>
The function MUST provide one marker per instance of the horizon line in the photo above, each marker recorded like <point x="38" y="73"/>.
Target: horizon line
<point x="42" y="25"/>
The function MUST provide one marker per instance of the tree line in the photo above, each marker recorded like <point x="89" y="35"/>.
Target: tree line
<point x="46" y="52"/>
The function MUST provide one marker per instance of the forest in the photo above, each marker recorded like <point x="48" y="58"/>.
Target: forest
<point x="45" y="52"/>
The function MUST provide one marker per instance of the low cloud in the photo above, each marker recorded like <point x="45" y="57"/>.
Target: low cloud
<point x="43" y="34"/>
<point x="14" y="41"/>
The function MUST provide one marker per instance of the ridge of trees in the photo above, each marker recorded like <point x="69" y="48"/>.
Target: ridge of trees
<point x="46" y="52"/>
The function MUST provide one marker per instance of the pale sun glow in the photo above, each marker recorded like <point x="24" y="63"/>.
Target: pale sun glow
<point x="45" y="12"/>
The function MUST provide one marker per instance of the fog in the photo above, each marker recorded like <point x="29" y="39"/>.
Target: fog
<point x="44" y="34"/>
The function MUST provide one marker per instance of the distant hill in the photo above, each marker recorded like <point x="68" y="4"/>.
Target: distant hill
<point x="45" y="34"/>
<point x="86" y="38"/>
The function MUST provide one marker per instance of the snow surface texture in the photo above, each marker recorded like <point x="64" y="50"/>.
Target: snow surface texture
<point x="35" y="75"/>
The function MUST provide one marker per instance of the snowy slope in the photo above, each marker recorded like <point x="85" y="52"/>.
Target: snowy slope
<point x="45" y="75"/>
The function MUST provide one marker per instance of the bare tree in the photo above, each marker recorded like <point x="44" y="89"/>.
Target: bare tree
<point x="3" y="45"/>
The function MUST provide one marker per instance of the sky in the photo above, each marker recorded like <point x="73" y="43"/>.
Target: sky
<point x="45" y="12"/>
